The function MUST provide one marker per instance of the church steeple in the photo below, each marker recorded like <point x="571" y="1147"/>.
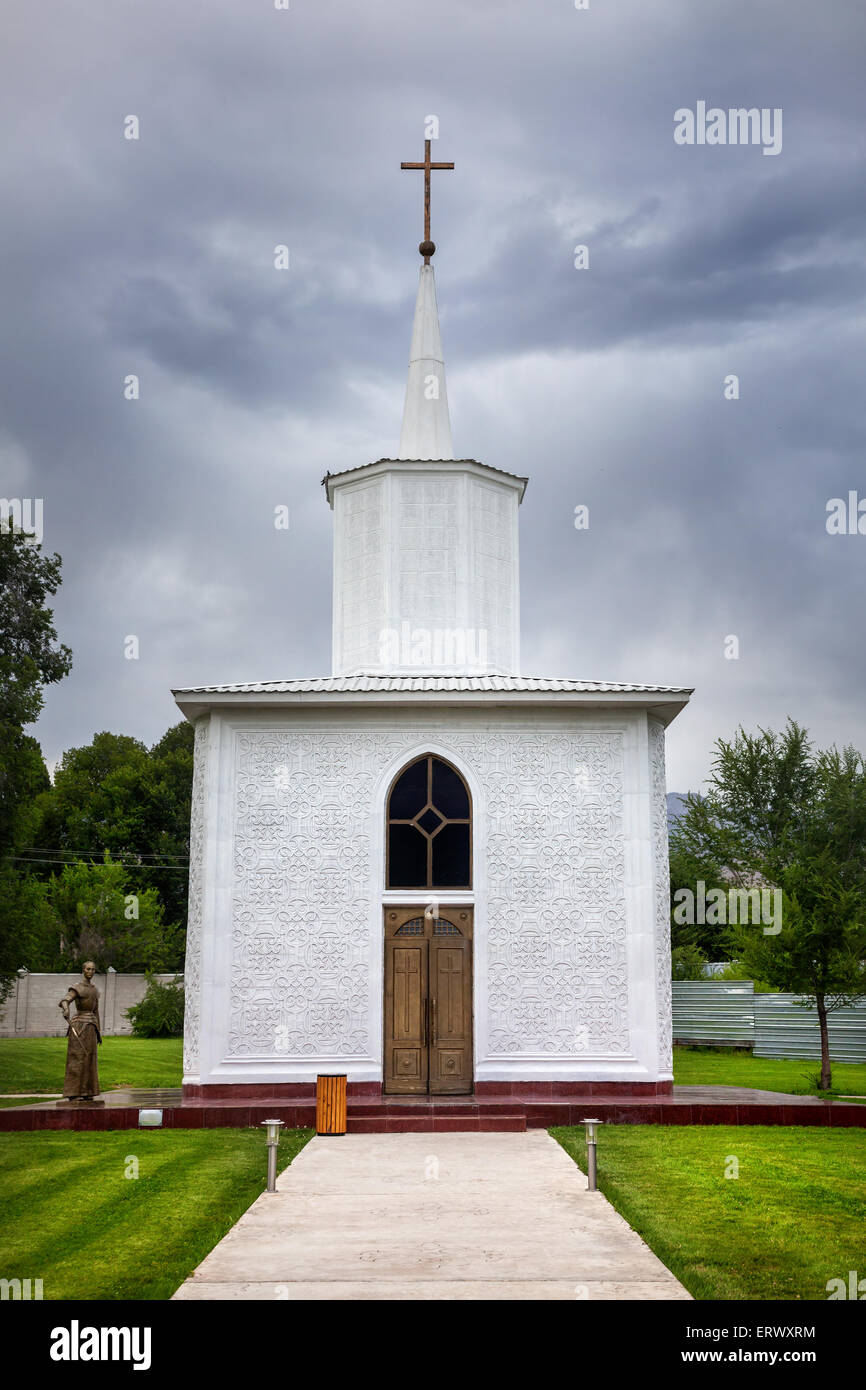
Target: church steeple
<point x="426" y="432"/>
<point x="425" y="545"/>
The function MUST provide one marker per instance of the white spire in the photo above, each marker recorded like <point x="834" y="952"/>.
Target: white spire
<point x="426" y="432"/>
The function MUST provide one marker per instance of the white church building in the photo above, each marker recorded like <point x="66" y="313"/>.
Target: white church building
<point x="427" y="871"/>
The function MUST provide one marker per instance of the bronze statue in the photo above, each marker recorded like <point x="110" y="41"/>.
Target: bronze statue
<point x="85" y="1035"/>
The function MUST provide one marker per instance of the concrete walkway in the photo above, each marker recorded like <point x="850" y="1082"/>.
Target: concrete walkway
<point x="432" y="1216"/>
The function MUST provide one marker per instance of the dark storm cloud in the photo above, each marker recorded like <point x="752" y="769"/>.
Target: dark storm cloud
<point x="261" y="127"/>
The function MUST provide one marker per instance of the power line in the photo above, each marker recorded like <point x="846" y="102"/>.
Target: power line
<point x="169" y="868"/>
<point x="100" y="850"/>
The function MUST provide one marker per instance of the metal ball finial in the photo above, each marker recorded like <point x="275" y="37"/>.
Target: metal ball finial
<point x="427" y="249"/>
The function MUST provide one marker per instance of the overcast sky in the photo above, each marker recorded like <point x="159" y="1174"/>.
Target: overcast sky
<point x="261" y="126"/>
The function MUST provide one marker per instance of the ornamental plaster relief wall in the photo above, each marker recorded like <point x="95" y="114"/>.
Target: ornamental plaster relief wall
<point x="420" y="550"/>
<point x="661" y="891"/>
<point x="192" y="963"/>
<point x="287" y="886"/>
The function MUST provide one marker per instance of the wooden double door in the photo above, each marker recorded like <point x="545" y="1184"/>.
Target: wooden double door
<point x="428" y="1001"/>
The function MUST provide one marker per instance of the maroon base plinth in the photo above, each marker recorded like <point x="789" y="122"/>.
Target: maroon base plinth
<point x="537" y="1106"/>
<point x="271" y="1090"/>
<point x="306" y="1090"/>
<point x="573" y="1090"/>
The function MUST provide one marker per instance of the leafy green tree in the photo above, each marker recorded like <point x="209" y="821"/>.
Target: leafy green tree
<point x="688" y="962"/>
<point x="25" y="779"/>
<point x="777" y="813"/>
<point x="94" y="916"/>
<point x="688" y="868"/>
<point x="28" y="929"/>
<point x="170" y="792"/>
<point x="115" y="795"/>
<point x="30" y="659"/>
<point x="758" y="792"/>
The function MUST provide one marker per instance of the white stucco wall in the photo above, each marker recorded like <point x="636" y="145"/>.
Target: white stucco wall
<point x="284" y="965"/>
<point x="427" y="548"/>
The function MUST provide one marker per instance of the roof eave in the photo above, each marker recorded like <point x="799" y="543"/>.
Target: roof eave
<point x="515" y="480"/>
<point x="661" y="705"/>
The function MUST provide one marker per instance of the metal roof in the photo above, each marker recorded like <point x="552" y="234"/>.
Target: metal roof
<point x="336" y="685"/>
<point x="329" y="478"/>
<point x="420" y="691"/>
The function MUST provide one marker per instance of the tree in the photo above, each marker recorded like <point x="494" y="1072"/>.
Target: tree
<point x="758" y="792"/>
<point x="115" y="795"/>
<point x="170" y="789"/>
<point x="30" y="659"/>
<point x="780" y="814"/>
<point x="24" y="778"/>
<point x="691" y="940"/>
<point x="94" y="805"/>
<point x="688" y="962"/>
<point x="27" y="929"/>
<point x="95" y="917"/>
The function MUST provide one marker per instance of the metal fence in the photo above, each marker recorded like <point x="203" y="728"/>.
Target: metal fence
<point x="784" y="1028"/>
<point x="720" y="1012"/>
<point x="728" y="1013"/>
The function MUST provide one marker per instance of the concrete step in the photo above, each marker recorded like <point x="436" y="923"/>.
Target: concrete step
<point x="432" y="1105"/>
<point x="435" y="1123"/>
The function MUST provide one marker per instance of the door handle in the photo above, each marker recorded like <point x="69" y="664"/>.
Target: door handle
<point x="433" y="1023"/>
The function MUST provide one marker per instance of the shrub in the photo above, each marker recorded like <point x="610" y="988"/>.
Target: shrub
<point x="688" y="963"/>
<point x="735" y="970"/>
<point x="160" y="1012"/>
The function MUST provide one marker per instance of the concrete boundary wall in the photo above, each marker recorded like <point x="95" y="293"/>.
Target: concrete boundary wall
<point x="31" y="1011"/>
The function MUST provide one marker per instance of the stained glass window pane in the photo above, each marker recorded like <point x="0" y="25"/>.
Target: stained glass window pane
<point x="449" y="794"/>
<point x="451" y="857"/>
<point x="407" y="857"/>
<point x="410" y="792"/>
<point x="407" y="846"/>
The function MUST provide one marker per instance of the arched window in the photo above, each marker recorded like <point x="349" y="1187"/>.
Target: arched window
<point x="429" y="827"/>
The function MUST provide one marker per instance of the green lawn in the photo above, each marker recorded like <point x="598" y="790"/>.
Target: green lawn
<point x="707" y="1066"/>
<point x="794" y="1218"/>
<point x="73" y="1218"/>
<point x="31" y="1065"/>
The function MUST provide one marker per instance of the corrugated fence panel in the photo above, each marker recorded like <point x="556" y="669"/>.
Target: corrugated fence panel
<point x="784" y="1028"/>
<point x="714" y="1011"/>
<point x="729" y="1013"/>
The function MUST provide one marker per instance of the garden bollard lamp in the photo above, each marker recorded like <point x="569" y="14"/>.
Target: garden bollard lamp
<point x="273" y="1127"/>
<point x="591" y="1158"/>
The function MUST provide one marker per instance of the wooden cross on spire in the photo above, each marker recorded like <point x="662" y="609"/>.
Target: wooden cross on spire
<point x="427" y="247"/>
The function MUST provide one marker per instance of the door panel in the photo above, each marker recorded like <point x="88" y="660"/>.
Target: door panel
<point x="428" y="1001"/>
<point x="406" y="1058"/>
<point x="450" y="995"/>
